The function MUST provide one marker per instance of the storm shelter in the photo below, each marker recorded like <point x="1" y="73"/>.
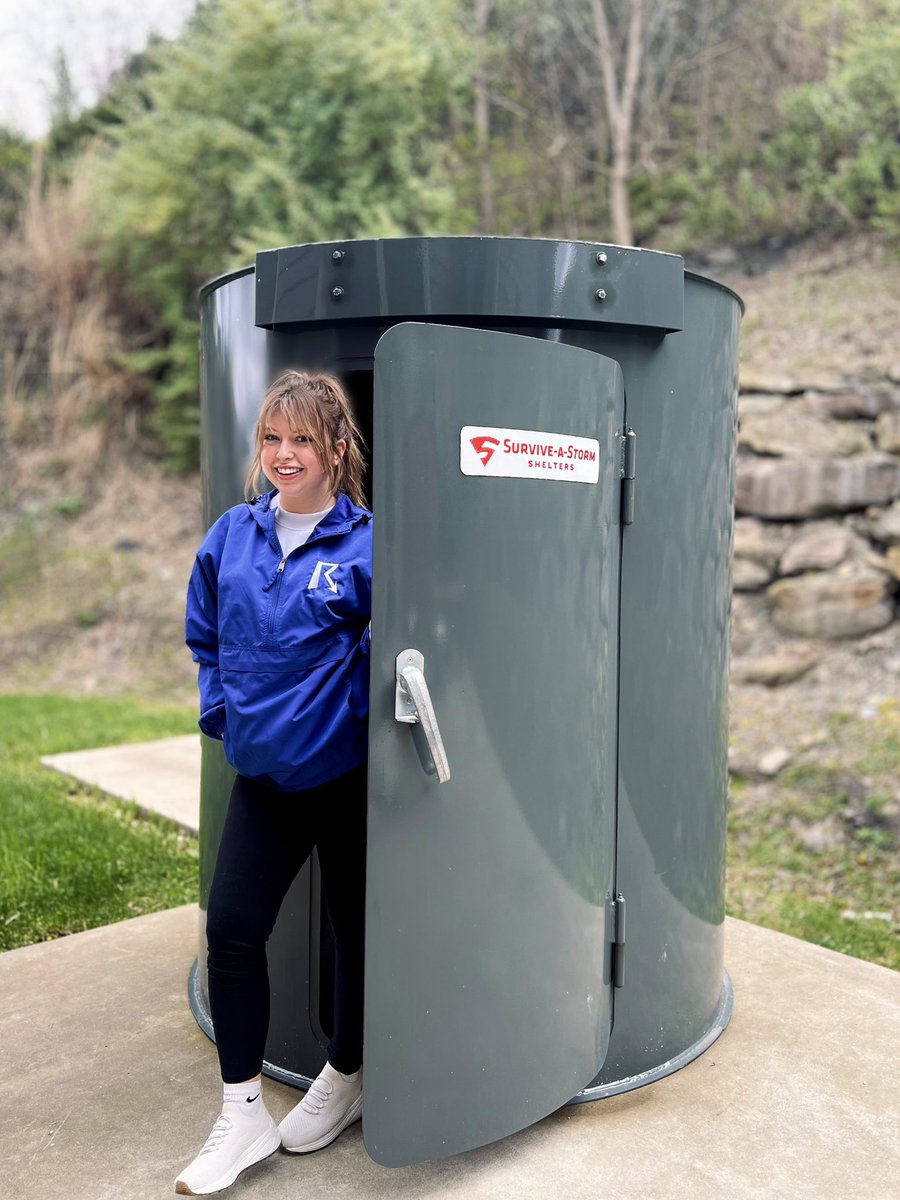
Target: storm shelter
<point x="552" y="432"/>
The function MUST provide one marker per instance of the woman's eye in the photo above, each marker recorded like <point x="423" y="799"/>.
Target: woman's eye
<point x="302" y="439"/>
<point x="270" y="437"/>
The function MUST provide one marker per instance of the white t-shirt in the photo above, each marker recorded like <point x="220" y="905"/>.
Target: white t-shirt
<point x="293" y="529"/>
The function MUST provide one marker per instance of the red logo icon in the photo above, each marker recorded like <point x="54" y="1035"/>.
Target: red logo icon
<point x="484" y="447"/>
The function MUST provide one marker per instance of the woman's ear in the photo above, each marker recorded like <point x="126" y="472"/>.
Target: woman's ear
<point x="340" y="446"/>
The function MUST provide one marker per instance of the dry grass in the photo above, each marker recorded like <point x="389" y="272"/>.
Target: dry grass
<point x="65" y="381"/>
<point x="828" y="312"/>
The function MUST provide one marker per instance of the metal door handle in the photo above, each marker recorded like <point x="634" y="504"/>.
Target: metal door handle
<point x="412" y="706"/>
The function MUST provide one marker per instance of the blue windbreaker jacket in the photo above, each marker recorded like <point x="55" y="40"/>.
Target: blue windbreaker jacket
<point x="283" y="643"/>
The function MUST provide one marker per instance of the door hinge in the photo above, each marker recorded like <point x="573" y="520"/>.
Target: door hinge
<point x="618" y="941"/>
<point x="626" y="471"/>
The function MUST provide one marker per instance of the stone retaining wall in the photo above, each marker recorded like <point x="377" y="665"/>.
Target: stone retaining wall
<point x="818" y="502"/>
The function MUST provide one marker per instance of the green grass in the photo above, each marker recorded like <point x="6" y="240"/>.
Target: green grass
<point x="70" y="858"/>
<point x="846" y="893"/>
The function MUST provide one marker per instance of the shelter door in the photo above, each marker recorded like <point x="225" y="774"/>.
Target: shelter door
<point x="496" y="497"/>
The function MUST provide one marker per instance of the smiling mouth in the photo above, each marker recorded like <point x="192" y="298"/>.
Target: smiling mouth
<point x="287" y="472"/>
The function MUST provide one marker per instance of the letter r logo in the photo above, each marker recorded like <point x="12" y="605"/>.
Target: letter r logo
<point x="324" y="570"/>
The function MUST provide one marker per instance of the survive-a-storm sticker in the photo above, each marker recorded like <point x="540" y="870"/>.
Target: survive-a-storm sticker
<point x="528" y="454"/>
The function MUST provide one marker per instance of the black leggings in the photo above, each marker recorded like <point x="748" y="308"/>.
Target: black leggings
<point x="267" y="838"/>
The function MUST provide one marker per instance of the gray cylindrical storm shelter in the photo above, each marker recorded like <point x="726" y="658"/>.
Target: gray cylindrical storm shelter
<point x="552" y="431"/>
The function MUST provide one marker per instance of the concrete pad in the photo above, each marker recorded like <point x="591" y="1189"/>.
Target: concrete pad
<point x="161" y="777"/>
<point x="110" y="1088"/>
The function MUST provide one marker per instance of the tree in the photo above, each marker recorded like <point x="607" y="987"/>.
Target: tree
<point x="620" y="64"/>
<point x="537" y="90"/>
<point x="840" y="141"/>
<point x="805" y="135"/>
<point x="646" y="55"/>
<point x="71" y="131"/>
<point x="483" y="114"/>
<point x="272" y="122"/>
<point x="15" y="167"/>
<point x="63" y="101"/>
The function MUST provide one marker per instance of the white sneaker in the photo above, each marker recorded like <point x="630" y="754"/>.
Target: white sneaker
<point x="333" y="1102"/>
<point x="236" y="1142"/>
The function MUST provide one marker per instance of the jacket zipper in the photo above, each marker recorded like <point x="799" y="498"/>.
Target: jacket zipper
<point x="279" y="575"/>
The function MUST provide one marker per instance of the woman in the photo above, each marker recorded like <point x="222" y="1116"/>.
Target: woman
<point x="278" y="613"/>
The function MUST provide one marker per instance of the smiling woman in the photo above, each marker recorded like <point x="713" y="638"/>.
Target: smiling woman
<point x="307" y="444"/>
<point x="278" y="613"/>
<point x="290" y="462"/>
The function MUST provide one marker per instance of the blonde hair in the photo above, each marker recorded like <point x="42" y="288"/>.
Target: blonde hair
<point x="314" y="404"/>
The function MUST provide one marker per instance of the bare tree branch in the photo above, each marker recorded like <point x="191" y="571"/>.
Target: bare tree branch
<point x="620" y="98"/>
<point x="483" y="116"/>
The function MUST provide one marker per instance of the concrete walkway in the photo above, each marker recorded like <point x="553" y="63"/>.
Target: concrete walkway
<point x="110" y="1087"/>
<point x="161" y="777"/>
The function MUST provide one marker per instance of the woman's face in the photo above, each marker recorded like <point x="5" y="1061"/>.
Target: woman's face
<point x="291" y="464"/>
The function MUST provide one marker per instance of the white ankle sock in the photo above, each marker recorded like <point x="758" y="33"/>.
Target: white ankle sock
<point x="245" y="1096"/>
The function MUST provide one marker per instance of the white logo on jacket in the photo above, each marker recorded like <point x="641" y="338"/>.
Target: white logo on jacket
<point x="326" y="570"/>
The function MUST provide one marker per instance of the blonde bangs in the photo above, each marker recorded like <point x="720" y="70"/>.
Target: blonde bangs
<point x="302" y="414"/>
